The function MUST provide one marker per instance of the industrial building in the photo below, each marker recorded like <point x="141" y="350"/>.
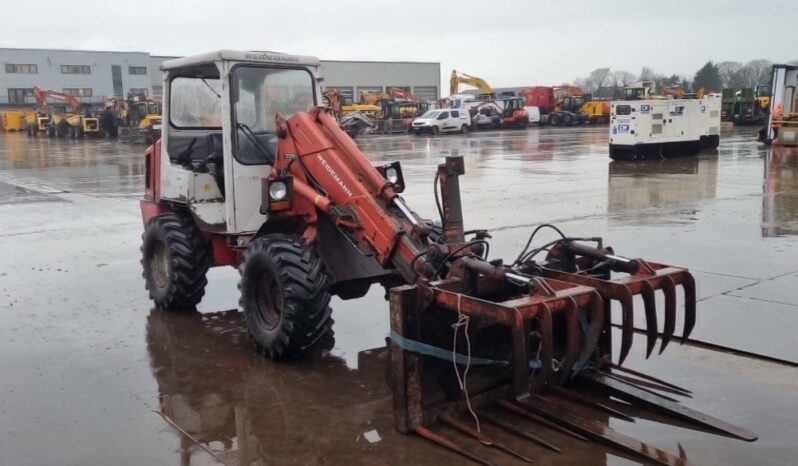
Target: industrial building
<point x="93" y="76"/>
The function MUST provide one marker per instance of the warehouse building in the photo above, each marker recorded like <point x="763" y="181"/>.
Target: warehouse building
<point x="93" y="76"/>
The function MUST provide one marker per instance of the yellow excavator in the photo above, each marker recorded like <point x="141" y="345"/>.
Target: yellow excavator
<point x="485" y="91"/>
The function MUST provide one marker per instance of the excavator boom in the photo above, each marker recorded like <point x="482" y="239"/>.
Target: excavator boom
<point x="42" y="95"/>
<point x="462" y="78"/>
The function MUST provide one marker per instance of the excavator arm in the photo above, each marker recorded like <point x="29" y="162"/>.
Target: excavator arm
<point x="462" y="78"/>
<point x="42" y="95"/>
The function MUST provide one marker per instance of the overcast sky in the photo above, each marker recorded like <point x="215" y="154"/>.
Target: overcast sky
<point x="507" y="43"/>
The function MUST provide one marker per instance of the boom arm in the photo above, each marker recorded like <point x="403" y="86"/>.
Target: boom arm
<point x="462" y="78"/>
<point x="42" y="95"/>
<point x="331" y="175"/>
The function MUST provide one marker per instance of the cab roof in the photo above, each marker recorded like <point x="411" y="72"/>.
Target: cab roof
<point x="240" y="56"/>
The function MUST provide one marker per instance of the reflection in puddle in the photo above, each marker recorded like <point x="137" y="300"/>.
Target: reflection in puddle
<point x="249" y="410"/>
<point x="661" y="183"/>
<point x="780" y="199"/>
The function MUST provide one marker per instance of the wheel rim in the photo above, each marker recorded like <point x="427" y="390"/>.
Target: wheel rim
<point x="159" y="265"/>
<point x="267" y="301"/>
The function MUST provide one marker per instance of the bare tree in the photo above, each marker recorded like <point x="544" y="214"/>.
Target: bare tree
<point x="752" y="73"/>
<point x="598" y="78"/>
<point x="623" y="78"/>
<point x="727" y="70"/>
<point x="647" y="74"/>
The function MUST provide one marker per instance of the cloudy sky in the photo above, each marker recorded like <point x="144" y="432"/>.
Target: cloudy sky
<point x="513" y="42"/>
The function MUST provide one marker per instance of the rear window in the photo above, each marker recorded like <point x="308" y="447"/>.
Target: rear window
<point x="623" y="110"/>
<point x="455" y="114"/>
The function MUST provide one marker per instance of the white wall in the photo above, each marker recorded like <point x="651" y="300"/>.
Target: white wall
<point x="49" y="74"/>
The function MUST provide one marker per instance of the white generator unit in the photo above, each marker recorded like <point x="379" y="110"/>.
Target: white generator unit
<point x="664" y="127"/>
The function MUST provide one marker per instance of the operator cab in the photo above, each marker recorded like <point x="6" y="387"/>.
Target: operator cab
<point x="220" y="131"/>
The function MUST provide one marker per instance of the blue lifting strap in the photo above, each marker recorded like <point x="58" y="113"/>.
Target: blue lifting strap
<point x="426" y="349"/>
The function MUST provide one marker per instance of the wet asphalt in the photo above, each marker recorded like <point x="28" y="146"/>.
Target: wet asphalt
<point x="91" y="374"/>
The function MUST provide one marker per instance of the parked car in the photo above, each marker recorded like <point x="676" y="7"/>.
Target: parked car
<point x="442" y="121"/>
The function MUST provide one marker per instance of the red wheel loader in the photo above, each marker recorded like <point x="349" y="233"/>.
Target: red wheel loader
<point x="251" y="172"/>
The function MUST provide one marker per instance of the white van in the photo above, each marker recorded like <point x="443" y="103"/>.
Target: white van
<point x="445" y="120"/>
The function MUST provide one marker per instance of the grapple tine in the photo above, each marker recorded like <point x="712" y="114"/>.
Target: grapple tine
<point x="688" y="283"/>
<point x="517" y="408"/>
<point x="572" y="339"/>
<point x="479" y="436"/>
<point x="651" y="378"/>
<point x="627" y="326"/>
<point x="593" y="331"/>
<point x="444" y="442"/>
<point x="517" y="431"/>
<point x="547" y="342"/>
<point x="578" y="398"/>
<point x="650" y="306"/>
<point x="642" y="397"/>
<point x="669" y="289"/>
<point x="601" y="432"/>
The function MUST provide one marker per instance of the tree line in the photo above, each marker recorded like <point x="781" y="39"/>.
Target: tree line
<point x="711" y="77"/>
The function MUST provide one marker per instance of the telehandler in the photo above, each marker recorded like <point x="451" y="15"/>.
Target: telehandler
<point x="250" y="172"/>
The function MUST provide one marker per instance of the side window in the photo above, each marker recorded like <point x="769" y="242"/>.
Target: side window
<point x="443" y="115"/>
<point x="195" y="103"/>
<point x="455" y="114"/>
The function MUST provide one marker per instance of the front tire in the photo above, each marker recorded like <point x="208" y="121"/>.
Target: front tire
<point x="175" y="259"/>
<point x="464" y="129"/>
<point x="284" y="296"/>
<point x="435" y="130"/>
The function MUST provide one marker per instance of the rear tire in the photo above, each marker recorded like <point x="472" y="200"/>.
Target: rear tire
<point x="554" y="120"/>
<point x="464" y="129"/>
<point x="175" y="259"/>
<point x="284" y="296"/>
<point x="567" y="119"/>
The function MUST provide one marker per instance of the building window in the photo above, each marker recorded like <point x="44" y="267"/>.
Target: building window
<point x="75" y="69"/>
<point x="29" y="69"/>
<point x="346" y="93"/>
<point x="369" y="89"/>
<point x="78" y="91"/>
<point x="17" y="96"/>
<point x="426" y="93"/>
<point x="140" y="91"/>
<point x="137" y="70"/>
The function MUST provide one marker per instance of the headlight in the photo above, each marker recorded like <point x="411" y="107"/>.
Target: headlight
<point x="276" y="194"/>
<point x="278" y="190"/>
<point x="392" y="175"/>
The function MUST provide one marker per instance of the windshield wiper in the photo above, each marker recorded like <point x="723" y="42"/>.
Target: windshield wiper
<point x="211" y="88"/>
<point x="257" y="143"/>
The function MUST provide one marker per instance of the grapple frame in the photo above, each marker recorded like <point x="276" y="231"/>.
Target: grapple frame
<point x="536" y="334"/>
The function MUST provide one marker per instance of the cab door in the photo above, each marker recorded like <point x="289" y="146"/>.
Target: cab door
<point x="257" y="93"/>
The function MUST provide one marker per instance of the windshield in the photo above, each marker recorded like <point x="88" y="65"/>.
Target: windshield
<point x="195" y="103"/>
<point x="262" y="93"/>
<point x="139" y="111"/>
<point x="431" y="114"/>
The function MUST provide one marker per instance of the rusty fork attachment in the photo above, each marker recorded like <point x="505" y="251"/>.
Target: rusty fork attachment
<point x="474" y="341"/>
<point x="581" y="264"/>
